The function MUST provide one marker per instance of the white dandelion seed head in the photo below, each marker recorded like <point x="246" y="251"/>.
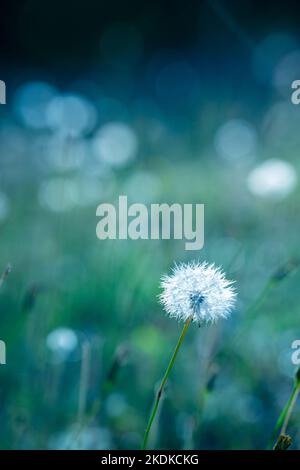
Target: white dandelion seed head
<point x="197" y="290"/>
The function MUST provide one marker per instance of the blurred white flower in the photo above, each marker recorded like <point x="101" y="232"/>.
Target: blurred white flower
<point x="273" y="178"/>
<point x="115" y="144"/>
<point x="197" y="290"/>
<point x="71" y="115"/>
<point x="31" y="102"/>
<point x="236" y="140"/>
<point x="62" y="341"/>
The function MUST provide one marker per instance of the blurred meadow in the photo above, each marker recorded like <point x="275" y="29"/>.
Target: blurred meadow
<point x="199" y="115"/>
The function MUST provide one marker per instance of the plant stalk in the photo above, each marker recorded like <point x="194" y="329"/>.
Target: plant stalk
<point x="163" y="383"/>
<point x="284" y="418"/>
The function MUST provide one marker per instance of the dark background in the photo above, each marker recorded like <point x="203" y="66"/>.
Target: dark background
<point x="47" y="36"/>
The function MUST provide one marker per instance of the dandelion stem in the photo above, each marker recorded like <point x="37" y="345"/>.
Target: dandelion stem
<point x="284" y="418"/>
<point x="290" y="408"/>
<point x="163" y="383"/>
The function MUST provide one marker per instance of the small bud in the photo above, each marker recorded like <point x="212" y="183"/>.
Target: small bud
<point x="283" y="442"/>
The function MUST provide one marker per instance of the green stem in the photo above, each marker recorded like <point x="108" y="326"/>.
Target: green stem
<point x="284" y="418"/>
<point x="163" y="383"/>
<point x="290" y="408"/>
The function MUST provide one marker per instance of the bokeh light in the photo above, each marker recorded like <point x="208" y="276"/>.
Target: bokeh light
<point x="273" y="178"/>
<point x="115" y="144"/>
<point x="31" y="102"/>
<point x="71" y="115"/>
<point x="236" y="141"/>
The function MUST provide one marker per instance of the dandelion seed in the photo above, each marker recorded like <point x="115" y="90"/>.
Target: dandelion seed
<point x="197" y="290"/>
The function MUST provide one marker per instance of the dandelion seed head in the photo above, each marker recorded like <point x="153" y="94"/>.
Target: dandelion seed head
<point x="197" y="290"/>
